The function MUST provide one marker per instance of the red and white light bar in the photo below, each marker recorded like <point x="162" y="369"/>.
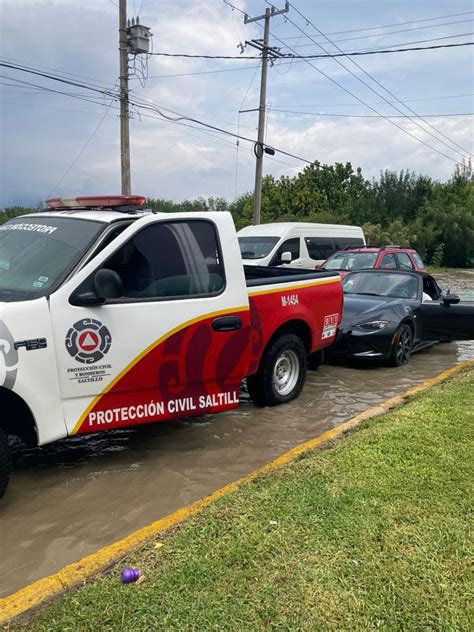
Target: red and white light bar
<point x="101" y="201"/>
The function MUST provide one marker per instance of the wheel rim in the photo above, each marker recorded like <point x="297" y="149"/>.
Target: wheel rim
<point x="404" y="346"/>
<point x="286" y="372"/>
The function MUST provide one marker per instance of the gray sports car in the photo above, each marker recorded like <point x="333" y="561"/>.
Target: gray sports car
<point x="390" y="314"/>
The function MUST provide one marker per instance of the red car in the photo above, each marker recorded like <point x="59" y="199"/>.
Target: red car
<point x="386" y="257"/>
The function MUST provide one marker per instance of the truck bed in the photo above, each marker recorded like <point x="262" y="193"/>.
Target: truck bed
<point x="264" y="275"/>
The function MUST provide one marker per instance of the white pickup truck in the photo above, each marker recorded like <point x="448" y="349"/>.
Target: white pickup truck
<point x="113" y="316"/>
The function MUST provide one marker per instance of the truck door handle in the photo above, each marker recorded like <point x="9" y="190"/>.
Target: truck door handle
<point x="227" y="323"/>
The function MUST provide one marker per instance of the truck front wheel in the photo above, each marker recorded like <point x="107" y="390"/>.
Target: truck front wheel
<point x="5" y="462"/>
<point x="282" y="372"/>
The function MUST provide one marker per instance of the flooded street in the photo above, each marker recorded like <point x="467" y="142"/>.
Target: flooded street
<point x="71" y="498"/>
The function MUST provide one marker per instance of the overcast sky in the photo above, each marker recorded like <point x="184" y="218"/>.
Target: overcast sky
<point x="43" y="133"/>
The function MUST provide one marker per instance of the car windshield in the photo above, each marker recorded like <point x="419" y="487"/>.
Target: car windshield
<point x="381" y="284"/>
<point x="257" y="247"/>
<point x="350" y="261"/>
<point x="35" y="252"/>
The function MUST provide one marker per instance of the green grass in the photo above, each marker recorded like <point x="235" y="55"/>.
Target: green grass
<point x="372" y="532"/>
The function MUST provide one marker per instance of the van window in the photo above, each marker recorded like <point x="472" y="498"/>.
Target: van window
<point x="319" y="247"/>
<point x="343" y="242"/>
<point x="290" y="245"/>
<point x="257" y="247"/>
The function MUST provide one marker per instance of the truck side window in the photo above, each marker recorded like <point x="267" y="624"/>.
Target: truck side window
<point x="290" y="245"/>
<point x="170" y="260"/>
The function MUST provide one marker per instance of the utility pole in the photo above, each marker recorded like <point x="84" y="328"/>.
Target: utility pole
<point x="259" y="148"/>
<point x="124" y="111"/>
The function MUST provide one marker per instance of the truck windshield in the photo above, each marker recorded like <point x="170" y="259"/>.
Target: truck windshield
<point x="256" y="247"/>
<point x="36" y="253"/>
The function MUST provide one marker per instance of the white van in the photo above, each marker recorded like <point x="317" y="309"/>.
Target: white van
<point x="295" y="244"/>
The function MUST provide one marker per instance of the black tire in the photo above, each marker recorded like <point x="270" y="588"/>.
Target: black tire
<point x="5" y="462"/>
<point x="315" y="360"/>
<point x="402" y="346"/>
<point x="281" y="374"/>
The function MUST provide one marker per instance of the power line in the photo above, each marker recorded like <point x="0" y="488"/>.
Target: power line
<point x="329" y="78"/>
<point x="207" y="72"/>
<point x="359" y="37"/>
<point x="381" y="96"/>
<point x="73" y="95"/>
<point x="233" y="7"/>
<point x="386" y="26"/>
<point x="351" y="39"/>
<point x="334" y="114"/>
<point x="282" y="111"/>
<point x="61" y="92"/>
<point x="199" y="133"/>
<point x="144" y="105"/>
<point x="46" y="107"/>
<point x="406" y="44"/>
<point x="341" y="105"/>
<point x="323" y="56"/>
<point x="88" y="100"/>
<point x="410" y="109"/>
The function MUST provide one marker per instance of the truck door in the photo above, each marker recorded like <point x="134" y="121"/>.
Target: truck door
<point x="445" y="320"/>
<point x="175" y="344"/>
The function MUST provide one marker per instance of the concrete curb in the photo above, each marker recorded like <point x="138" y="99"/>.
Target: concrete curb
<point x="45" y="589"/>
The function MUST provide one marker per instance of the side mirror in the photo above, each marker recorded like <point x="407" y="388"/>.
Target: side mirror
<point x="285" y="257"/>
<point x="450" y="299"/>
<point x="108" y="284"/>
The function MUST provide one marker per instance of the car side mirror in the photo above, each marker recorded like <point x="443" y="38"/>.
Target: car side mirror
<point x="450" y="299"/>
<point x="106" y="283"/>
<point x="285" y="257"/>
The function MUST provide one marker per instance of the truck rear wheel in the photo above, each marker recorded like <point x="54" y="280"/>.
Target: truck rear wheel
<point x="282" y="372"/>
<point x="5" y="462"/>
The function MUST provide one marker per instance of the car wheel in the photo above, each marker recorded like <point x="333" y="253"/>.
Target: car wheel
<point x="282" y="372"/>
<point x="402" y="346"/>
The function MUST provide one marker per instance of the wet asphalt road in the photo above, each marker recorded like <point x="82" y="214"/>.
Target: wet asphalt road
<point x="73" y="497"/>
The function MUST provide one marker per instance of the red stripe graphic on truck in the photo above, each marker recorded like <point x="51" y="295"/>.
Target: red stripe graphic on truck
<point x="182" y="374"/>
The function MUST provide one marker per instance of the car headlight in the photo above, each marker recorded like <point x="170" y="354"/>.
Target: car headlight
<point x="374" y="325"/>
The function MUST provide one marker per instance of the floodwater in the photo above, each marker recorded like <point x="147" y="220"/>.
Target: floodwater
<point x="70" y="498"/>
